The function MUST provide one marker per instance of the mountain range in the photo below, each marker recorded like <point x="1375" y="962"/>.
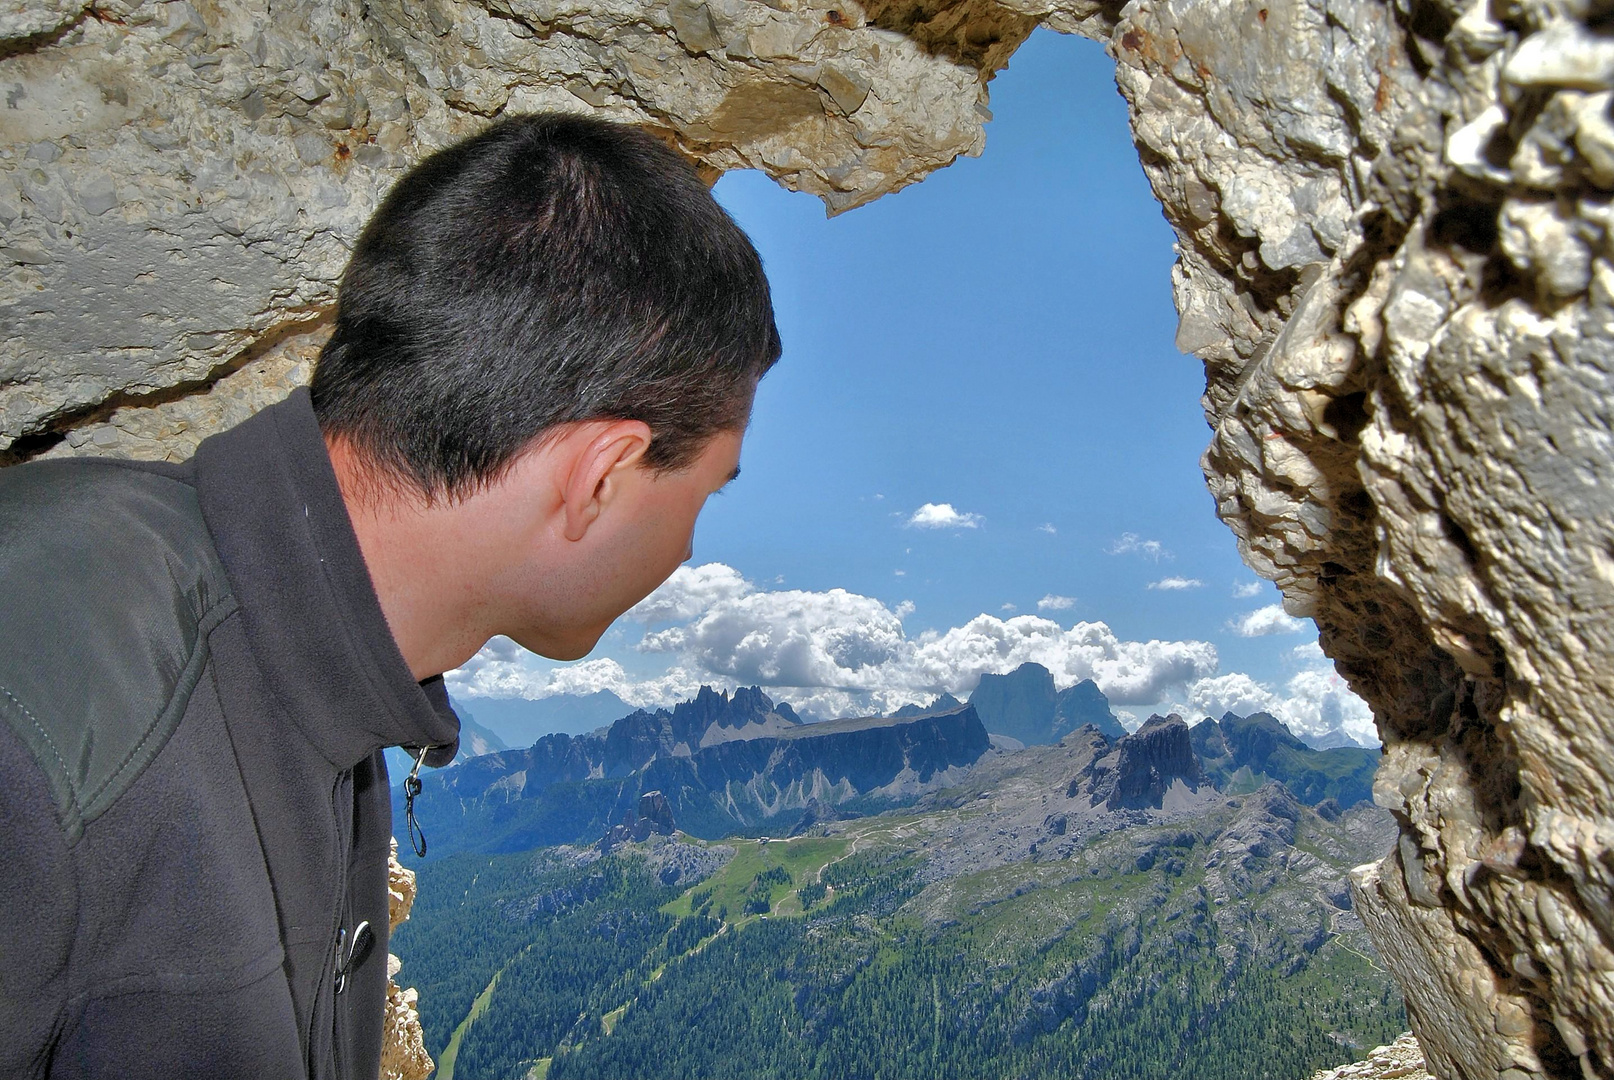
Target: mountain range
<point x="724" y="763"/>
<point x="741" y="763"/>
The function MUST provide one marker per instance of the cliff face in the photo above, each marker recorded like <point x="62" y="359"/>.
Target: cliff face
<point x="567" y="789"/>
<point x="1394" y="262"/>
<point x="1143" y="767"/>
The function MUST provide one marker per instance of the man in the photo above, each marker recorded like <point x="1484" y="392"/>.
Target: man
<point x="544" y="357"/>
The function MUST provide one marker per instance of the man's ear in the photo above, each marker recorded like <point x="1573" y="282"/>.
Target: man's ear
<point x="605" y="450"/>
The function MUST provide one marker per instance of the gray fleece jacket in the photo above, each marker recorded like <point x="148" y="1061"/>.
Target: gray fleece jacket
<point x="196" y="682"/>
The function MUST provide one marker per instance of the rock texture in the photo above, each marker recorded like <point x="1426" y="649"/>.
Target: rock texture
<point x="179" y="183"/>
<point x="1401" y="1060"/>
<point x="1395" y="263"/>
<point x="403" y="1053"/>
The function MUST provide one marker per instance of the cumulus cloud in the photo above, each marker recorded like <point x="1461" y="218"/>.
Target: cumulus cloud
<point x="1048" y="527"/>
<point x="1132" y="543"/>
<point x="1316" y="702"/>
<point x="1051" y="602"/>
<point x="1271" y="619"/>
<point x="1171" y="584"/>
<point x="1245" y="590"/>
<point x="502" y="669"/>
<point x="835" y="650"/>
<point x="942" y="516"/>
<point x="688" y="592"/>
<point x="1008" y="607"/>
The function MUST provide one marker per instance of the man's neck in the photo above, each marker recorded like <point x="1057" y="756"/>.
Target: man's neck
<point x="409" y="548"/>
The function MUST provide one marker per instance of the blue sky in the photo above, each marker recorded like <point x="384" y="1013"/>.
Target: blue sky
<point x="996" y="340"/>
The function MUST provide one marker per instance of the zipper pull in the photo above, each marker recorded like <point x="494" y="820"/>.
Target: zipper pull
<point x="358" y="950"/>
<point x="411" y="786"/>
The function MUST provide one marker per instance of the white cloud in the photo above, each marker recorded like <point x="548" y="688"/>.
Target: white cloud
<point x="1309" y="653"/>
<point x="1316" y="702"/>
<point x="1052" y="602"/>
<point x="1008" y="607"/>
<point x="837" y="653"/>
<point x="1234" y="692"/>
<point x="1048" y="528"/>
<point x="1245" y="590"/>
<point x="834" y="651"/>
<point x="688" y="592"/>
<point x="497" y="672"/>
<point x="1271" y="619"/>
<point x="900" y="573"/>
<point x="1128" y="543"/>
<point x="942" y="516"/>
<point x="1174" y="583"/>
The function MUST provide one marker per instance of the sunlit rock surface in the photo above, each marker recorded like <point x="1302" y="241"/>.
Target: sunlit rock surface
<point x="1401" y="1060"/>
<point x="1394" y="261"/>
<point x="403" y="1050"/>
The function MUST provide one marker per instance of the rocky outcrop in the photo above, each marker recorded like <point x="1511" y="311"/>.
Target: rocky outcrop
<point x="1394" y="262"/>
<point x="403" y="1049"/>
<point x="1400" y="1060"/>
<point x="1392" y="228"/>
<point x="179" y="183"/>
<point x="1143" y="768"/>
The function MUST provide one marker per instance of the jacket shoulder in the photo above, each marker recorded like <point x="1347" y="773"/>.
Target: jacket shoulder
<point x="109" y="587"/>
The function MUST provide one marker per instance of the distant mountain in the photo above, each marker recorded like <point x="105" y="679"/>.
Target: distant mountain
<point x="1239" y="754"/>
<point x="523" y="721"/>
<point x="945" y="703"/>
<point x="1085" y="703"/>
<point x="1336" y="737"/>
<point x="474" y="739"/>
<point x="1024" y="705"/>
<point x="1144" y="769"/>
<point x="725" y="764"/>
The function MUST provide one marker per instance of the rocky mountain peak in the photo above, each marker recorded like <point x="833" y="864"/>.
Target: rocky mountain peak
<point x="1142" y="768"/>
<point x="943" y="703"/>
<point x="1024" y="705"/>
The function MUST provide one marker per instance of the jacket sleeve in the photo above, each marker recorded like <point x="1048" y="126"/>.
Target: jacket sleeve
<point x="38" y="915"/>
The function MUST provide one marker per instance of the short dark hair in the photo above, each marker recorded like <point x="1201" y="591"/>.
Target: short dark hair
<point x="554" y="268"/>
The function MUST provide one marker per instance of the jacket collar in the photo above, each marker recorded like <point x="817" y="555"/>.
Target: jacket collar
<point x="312" y="620"/>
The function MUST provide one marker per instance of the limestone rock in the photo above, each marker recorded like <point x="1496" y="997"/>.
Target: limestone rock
<point x="167" y="428"/>
<point x="1400" y="1060"/>
<point x="181" y="184"/>
<point x="403" y="1053"/>
<point x="403" y="1047"/>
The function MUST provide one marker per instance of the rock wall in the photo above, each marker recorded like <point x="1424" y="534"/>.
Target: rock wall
<point x="1394" y="261"/>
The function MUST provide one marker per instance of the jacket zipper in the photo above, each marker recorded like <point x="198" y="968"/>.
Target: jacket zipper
<point x="328" y="976"/>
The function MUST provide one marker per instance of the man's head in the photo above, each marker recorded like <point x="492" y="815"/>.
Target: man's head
<point x="552" y="270"/>
<point x="546" y="347"/>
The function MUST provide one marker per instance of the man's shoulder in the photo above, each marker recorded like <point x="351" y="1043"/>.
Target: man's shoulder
<point x="109" y="587"/>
